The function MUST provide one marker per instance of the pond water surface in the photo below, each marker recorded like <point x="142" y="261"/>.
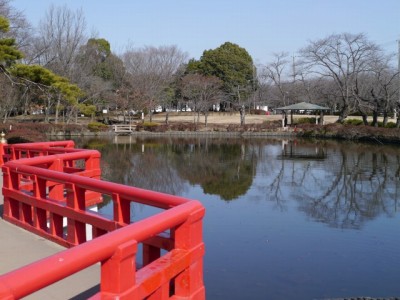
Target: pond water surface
<point x="285" y="219"/>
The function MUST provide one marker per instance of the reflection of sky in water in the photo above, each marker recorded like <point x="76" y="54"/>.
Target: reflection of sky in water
<point x="253" y="245"/>
<point x="304" y="229"/>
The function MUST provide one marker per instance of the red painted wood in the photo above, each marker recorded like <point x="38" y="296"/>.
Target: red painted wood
<point x="43" y="188"/>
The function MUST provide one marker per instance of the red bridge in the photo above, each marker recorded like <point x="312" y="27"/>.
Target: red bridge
<point x="48" y="188"/>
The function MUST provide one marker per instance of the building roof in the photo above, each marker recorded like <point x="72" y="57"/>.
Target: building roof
<point x="303" y="106"/>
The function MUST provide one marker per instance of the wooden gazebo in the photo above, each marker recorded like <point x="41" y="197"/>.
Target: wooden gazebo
<point x="301" y="107"/>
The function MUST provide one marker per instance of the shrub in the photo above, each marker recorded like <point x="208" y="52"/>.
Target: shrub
<point x="306" y="120"/>
<point x="390" y="125"/>
<point x="148" y="126"/>
<point x="97" y="126"/>
<point x="272" y="124"/>
<point x="355" y="122"/>
<point x="183" y="127"/>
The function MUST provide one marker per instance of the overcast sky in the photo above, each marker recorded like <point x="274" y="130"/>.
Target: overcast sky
<point x="262" y="27"/>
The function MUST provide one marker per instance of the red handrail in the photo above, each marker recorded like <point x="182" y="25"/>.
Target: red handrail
<point x="177" y="230"/>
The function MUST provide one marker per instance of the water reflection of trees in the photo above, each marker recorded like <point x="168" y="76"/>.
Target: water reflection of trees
<point x="362" y="187"/>
<point x="128" y="164"/>
<point x="224" y="169"/>
<point x="221" y="167"/>
<point x="354" y="184"/>
<point x="340" y="184"/>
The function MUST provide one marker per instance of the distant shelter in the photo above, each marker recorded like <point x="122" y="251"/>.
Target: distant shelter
<point x="300" y="108"/>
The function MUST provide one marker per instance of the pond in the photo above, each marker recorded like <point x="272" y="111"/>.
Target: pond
<point x="285" y="219"/>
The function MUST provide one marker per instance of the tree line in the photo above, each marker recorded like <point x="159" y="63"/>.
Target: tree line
<point x="60" y="71"/>
<point x="347" y="72"/>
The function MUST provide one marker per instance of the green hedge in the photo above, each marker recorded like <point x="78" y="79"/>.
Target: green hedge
<point x="305" y="121"/>
<point x="97" y="126"/>
<point x="355" y="122"/>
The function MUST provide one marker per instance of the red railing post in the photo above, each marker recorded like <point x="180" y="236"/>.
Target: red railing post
<point x="121" y="210"/>
<point x="118" y="273"/>
<point x="189" y="236"/>
<point x="6" y="185"/>
<point x="76" y="230"/>
<point x="93" y="163"/>
<point x="39" y="218"/>
<point x="13" y="154"/>
<point x="2" y="152"/>
<point x="56" y="191"/>
<point x="11" y="206"/>
<point x="150" y="253"/>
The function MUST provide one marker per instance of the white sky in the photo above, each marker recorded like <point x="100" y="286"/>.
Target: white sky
<point x="262" y="27"/>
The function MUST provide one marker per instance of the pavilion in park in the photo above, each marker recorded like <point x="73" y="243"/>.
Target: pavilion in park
<point x="301" y="108"/>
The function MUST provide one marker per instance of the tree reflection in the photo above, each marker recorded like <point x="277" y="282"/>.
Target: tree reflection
<point x="340" y="184"/>
<point x="151" y="169"/>
<point x="224" y="169"/>
<point x="350" y="188"/>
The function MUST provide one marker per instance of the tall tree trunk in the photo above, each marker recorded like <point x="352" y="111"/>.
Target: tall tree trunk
<point x="385" y="119"/>
<point x="57" y="109"/>
<point x="6" y="114"/>
<point x="47" y="110"/>
<point x="242" y="115"/>
<point x="166" y="118"/>
<point x="375" y="118"/>
<point x="343" y="113"/>
<point x="365" y="119"/>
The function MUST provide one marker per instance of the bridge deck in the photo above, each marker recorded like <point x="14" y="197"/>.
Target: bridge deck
<point x="123" y="129"/>
<point x="20" y="247"/>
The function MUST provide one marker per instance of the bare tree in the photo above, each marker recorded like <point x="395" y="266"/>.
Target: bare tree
<point x="203" y="91"/>
<point x="151" y="70"/>
<point x="277" y="73"/>
<point x="61" y="34"/>
<point x="376" y="91"/>
<point x="342" y="58"/>
<point x="9" y="95"/>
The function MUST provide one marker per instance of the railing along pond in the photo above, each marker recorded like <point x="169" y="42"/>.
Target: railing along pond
<point x="47" y="190"/>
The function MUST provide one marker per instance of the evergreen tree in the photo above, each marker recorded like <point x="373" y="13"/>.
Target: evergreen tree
<point x="8" y="50"/>
<point x="231" y="64"/>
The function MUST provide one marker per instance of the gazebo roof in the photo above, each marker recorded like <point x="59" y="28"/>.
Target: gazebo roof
<point x="303" y="106"/>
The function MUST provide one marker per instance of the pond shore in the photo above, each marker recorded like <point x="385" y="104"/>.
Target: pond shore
<point x="228" y="125"/>
<point x="234" y="118"/>
<point x="186" y="124"/>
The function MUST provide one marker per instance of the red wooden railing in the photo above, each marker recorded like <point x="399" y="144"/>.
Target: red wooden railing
<point x="46" y="183"/>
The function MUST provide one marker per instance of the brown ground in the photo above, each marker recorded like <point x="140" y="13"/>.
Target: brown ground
<point x="230" y="118"/>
